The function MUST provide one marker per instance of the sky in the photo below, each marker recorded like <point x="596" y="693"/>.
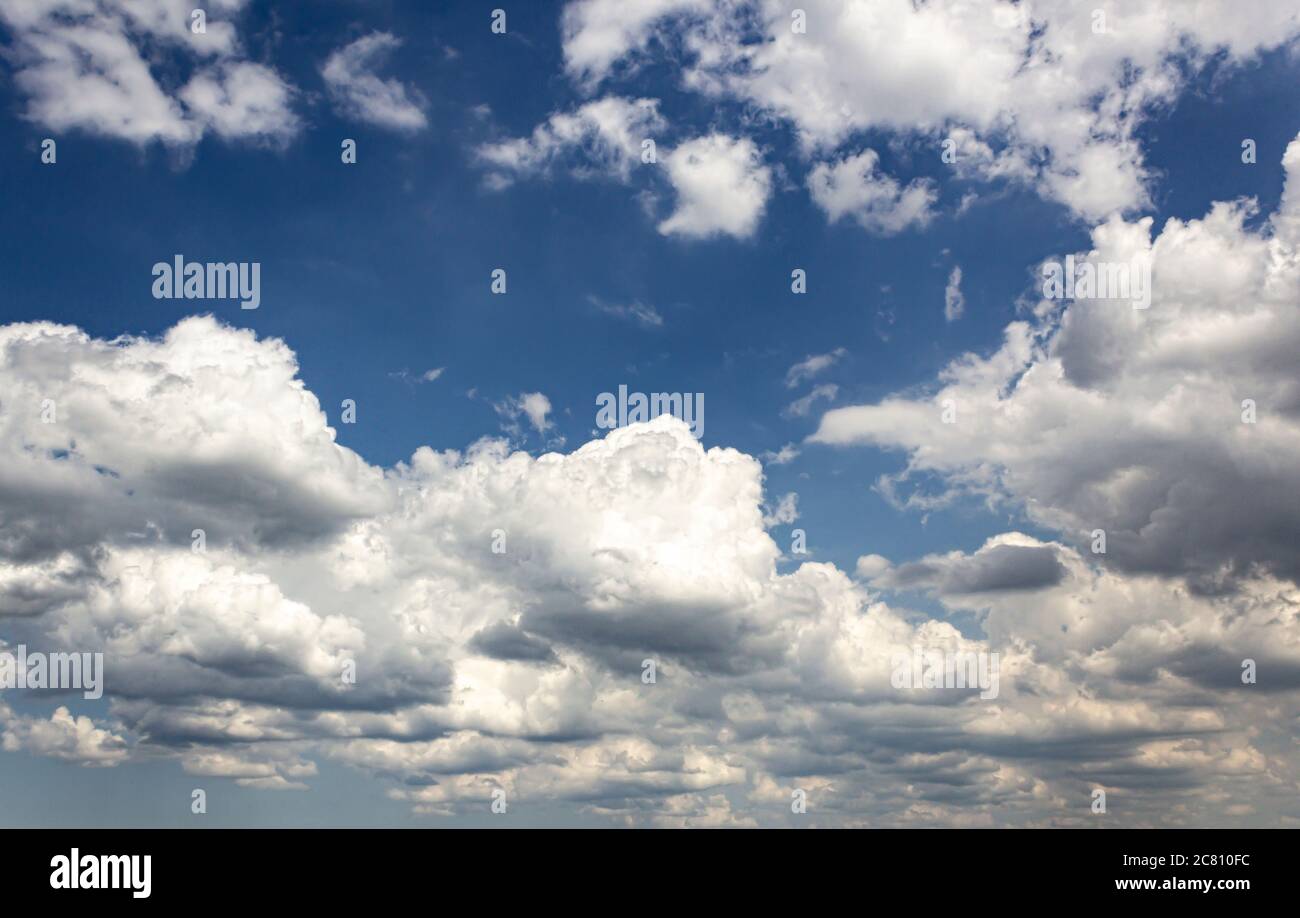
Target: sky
<point x="825" y="226"/>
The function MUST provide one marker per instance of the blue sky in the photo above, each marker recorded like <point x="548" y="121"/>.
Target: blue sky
<point x="376" y="272"/>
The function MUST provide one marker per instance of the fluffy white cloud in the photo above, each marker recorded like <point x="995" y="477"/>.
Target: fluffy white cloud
<point x="1136" y="421"/>
<point x="62" y="736"/>
<point x="181" y="504"/>
<point x="720" y="183"/>
<point x="1039" y="91"/>
<point x="360" y="93"/>
<point x="94" y="65"/>
<point x="853" y="187"/>
<point x="602" y="138"/>
<point x="597" y="33"/>
<point x="521" y="669"/>
<point x="144" y="442"/>
<point x="242" y="100"/>
<point x="536" y="407"/>
<point x="721" y="187"/>
<point x="1046" y="597"/>
<point x="532" y="406"/>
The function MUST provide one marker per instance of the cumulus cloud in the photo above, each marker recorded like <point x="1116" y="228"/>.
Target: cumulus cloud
<point x="872" y="566"/>
<point x="536" y="406"/>
<point x="521" y="668"/>
<point x="471" y="620"/>
<point x="597" y="33"/>
<point x="532" y="405"/>
<point x="721" y="187"/>
<point x="1096" y="415"/>
<point x="98" y="66"/>
<point x="1030" y="89"/>
<point x="140" y="433"/>
<point x="242" y="100"/>
<point x="62" y="736"/>
<point x="719" y="183"/>
<point x="358" y="92"/>
<point x="1046" y="596"/>
<point x="188" y="511"/>
<point x="853" y="187"/>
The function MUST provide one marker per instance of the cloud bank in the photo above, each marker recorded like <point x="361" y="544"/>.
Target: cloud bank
<point x="498" y="609"/>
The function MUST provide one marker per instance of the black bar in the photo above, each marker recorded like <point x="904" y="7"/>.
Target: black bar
<point x="656" y="870"/>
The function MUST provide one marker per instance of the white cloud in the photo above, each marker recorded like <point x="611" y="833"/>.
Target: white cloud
<point x="536" y="406"/>
<point x="642" y="314"/>
<point x="269" y="476"/>
<point x="954" y="301"/>
<point x="784" y="456"/>
<point x="522" y="669"/>
<point x="811" y="366"/>
<point x="63" y="736"/>
<point x="242" y="100"/>
<point x="785" y="512"/>
<point x="600" y="138"/>
<point x="533" y="405"/>
<point x="872" y="566"/>
<point x="272" y="772"/>
<point x="800" y="407"/>
<point x="853" y="187"/>
<point x="1102" y="416"/>
<point x="359" y="93"/>
<point x="1060" y="104"/>
<point x="721" y="185"/>
<point x="95" y="65"/>
<point x="597" y="33"/>
<point x="430" y="375"/>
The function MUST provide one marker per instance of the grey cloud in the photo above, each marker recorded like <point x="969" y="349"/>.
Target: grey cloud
<point x="989" y="570"/>
<point x="504" y="641"/>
